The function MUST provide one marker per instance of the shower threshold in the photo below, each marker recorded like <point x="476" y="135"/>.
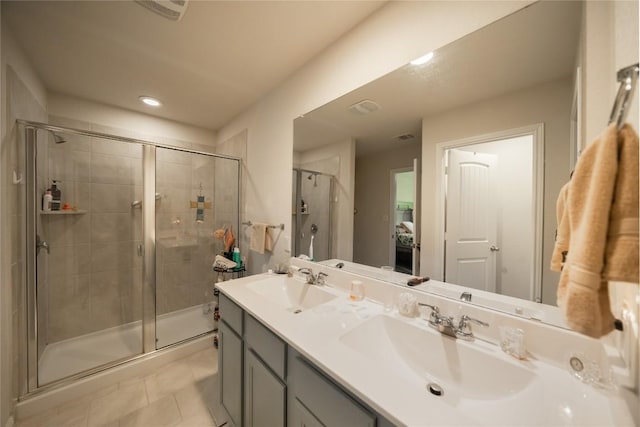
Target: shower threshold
<point x="64" y="358"/>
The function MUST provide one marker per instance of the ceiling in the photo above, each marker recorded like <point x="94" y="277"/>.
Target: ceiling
<point x="530" y="47"/>
<point x="207" y="68"/>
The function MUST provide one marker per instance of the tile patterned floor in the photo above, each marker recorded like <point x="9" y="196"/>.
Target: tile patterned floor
<point x="183" y="393"/>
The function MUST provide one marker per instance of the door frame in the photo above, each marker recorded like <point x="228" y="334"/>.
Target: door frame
<point x="392" y="211"/>
<point x="537" y="132"/>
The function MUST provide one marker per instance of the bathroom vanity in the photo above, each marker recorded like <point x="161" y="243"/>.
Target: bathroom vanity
<point x="275" y="382"/>
<point x="292" y="353"/>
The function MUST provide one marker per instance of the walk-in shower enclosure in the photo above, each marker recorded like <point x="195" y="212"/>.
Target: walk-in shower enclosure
<point x="312" y="214"/>
<point x="123" y="268"/>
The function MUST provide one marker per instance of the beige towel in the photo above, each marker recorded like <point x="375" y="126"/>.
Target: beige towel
<point x="621" y="258"/>
<point x="594" y="213"/>
<point x="261" y="239"/>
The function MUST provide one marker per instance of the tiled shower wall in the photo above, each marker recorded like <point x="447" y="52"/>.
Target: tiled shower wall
<point x="316" y="193"/>
<point x="94" y="272"/>
<point x="186" y="248"/>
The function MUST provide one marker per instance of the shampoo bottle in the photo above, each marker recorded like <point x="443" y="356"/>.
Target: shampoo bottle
<point x="56" y="196"/>
<point x="236" y="256"/>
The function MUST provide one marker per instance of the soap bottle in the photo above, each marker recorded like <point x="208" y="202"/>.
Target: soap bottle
<point x="56" y="196"/>
<point x="46" y="201"/>
<point x="236" y="256"/>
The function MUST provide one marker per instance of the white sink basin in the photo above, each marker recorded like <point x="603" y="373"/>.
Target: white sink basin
<point x="478" y="379"/>
<point x="426" y="356"/>
<point x="290" y="294"/>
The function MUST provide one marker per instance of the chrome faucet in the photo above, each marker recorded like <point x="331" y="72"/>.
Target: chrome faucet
<point x="448" y="326"/>
<point x="313" y="279"/>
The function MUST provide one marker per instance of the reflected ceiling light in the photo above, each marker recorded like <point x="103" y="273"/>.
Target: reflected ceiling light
<point x="150" y="101"/>
<point x="423" y="59"/>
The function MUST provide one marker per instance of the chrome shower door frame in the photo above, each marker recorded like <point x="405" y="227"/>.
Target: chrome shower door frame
<point x="28" y="384"/>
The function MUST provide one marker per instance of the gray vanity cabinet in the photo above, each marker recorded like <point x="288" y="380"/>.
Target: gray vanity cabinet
<point x="264" y="382"/>
<point x="230" y="359"/>
<point x="265" y="392"/>
<point x="314" y="400"/>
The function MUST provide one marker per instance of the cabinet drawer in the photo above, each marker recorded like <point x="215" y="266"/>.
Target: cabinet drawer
<point x="271" y="349"/>
<point x="231" y="313"/>
<point x="328" y="404"/>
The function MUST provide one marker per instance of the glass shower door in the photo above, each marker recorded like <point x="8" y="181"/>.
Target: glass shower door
<point x="88" y="270"/>
<point x="196" y="194"/>
<point x="312" y="208"/>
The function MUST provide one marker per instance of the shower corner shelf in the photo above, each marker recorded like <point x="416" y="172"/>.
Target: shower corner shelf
<point x="67" y="212"/>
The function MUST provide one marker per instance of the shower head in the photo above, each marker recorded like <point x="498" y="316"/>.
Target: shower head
<point x="310" y="176"/>
<point x="57" y="138"/>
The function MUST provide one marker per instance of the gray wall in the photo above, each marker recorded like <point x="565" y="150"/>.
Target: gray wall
<point x="372" y="202"/>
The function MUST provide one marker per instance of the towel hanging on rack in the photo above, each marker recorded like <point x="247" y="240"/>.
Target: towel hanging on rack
<point x="261" y="239"/>
<point x="602" y="234"/>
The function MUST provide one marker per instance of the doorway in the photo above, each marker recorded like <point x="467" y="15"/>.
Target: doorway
<point x="402" y="219"/>
<point x="491" y="207"/>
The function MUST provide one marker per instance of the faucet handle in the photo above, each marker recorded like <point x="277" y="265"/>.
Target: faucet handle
<point x="434" y="318"/>
<point x="308" y="274"/>
<point x="320" y="278"/>
<point x="434" y="308"/>
<point x="463" y="330"/>
<point x="464" y="319"/>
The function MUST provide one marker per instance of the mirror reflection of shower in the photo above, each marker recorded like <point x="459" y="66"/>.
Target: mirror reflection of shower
<point x="314" y="231"/>
<point x="312" y="211"/>
<point x="57" y="138"/>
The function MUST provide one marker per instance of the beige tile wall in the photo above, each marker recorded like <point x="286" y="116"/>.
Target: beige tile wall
<point x="94" y="273"/>
<point x="186" y="249"/>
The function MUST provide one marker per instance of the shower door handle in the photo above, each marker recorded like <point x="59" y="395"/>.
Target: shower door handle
<point x="41" y="244"/>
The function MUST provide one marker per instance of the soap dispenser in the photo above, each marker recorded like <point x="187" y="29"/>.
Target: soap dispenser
<point x="56" y="196"/>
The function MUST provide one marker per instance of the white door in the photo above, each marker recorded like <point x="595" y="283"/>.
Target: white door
<point x="471" y="220"/>
<point x="417" y="200"/>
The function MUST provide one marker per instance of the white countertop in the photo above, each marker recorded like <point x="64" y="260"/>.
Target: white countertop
<point x="316" y="332"/>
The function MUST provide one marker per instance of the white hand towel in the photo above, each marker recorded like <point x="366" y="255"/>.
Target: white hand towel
<point x="260" y="238"/>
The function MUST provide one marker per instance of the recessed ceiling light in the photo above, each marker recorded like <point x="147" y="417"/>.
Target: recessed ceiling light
<point x="150" y="101"/>
<point x="423" y="59"/>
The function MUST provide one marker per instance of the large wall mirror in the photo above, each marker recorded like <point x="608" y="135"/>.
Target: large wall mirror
<point x="462" y="155"/>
